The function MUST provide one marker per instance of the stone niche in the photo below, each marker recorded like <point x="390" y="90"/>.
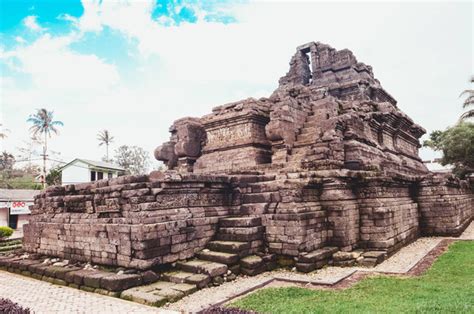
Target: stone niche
<point x="235" y="137"/>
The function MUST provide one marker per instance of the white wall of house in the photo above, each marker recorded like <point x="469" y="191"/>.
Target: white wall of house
<point x="80" y="172"/>
<point x="77" y="172"/>
<point x="4" y="216"/>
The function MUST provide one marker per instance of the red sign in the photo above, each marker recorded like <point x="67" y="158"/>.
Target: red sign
<point x="18" y="204"/>
<point x="19" y="208"/>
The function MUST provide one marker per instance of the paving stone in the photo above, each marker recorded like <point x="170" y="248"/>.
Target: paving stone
<point x="142" y="297"/>
<point x="170" y="294"/>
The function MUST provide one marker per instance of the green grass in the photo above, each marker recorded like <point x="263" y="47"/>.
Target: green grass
<point x="447" y="287"/>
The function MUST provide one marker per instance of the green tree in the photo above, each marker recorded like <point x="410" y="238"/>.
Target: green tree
<point x="43" y="124"/>
<point x="54" y="177"/>
<point x="106" y="139"/>
<point x="7" y="161"/>
<point x="457" y="146"/>
<point x="468" y="102"/>
<point x="12" y="178"/>
<point x="134" y="159"/>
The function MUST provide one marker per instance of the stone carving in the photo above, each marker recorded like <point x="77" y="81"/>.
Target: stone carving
<point x="328" y="162"/>
<point x="187" y="136"/>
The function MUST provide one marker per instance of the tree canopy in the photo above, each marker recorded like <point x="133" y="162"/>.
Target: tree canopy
<point x="457" y="145"/>
<point x="134" y="159"/>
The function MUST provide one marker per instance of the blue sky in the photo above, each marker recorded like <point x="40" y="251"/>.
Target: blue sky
<point x="133" y="67"/>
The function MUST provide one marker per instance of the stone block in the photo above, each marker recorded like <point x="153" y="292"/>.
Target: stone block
<point x="92" y="278"/>
<point x="251" y="262"/>
<point x="121" y="282"/>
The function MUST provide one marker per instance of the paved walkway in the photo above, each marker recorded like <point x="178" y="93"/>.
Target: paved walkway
<point x="43" y="297"/>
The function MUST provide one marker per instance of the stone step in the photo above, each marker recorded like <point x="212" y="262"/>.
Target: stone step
<point x="243" y="234"/>
<point x="179" y="276"/>
<point x="264" y="197"/>
<point x="240" y="222"/>
<point x="176" y="276"/>
<point x="200" y="280"/>
<point x="318" y="255"/>
<point x="251" y="262"/>
<point x="252" y="265"/>
<point x="10" y="242"/>
<point x="10" y="248"/>
<point x="218" y="257"/>
<point x="197" y="266"/>
<point x="253" y="209"/>
<point x="158" y="293"/>
<point x="229" y="246"/>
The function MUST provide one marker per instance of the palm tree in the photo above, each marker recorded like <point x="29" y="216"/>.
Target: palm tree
<point x="105" y="138"/>
<point x="43" y="124"/>
<point x="469" y="101"/>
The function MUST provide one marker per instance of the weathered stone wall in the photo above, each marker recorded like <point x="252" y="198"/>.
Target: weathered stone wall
<point x="129" y="221"/>
<point x="235" y="138"/>
<point x="446" y="205"/>
<point x="389" y="214"/>
<point x="327" y="160"/>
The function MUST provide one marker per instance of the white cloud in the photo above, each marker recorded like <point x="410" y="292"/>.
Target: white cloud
<point x="32" y="23"/>
<point x="20" y="40"/>
<point x="185" y="70"/>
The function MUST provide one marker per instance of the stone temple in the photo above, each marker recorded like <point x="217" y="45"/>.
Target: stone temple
<point x="327" y="163"/>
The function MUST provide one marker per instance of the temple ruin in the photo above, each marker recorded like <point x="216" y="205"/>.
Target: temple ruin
<point x="328" y="163"/>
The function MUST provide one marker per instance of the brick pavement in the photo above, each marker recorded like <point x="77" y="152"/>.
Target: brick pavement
<point x="43" y="297"/>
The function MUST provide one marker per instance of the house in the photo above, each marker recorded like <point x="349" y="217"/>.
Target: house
<point x="83" y="170"/>
<point x="14" y="207"/>
<point x="435" y="166"/>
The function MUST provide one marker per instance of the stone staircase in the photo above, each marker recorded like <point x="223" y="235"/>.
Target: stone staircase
<point x="8" y="246"/>
<point x="232" y="252"/>
<point x="306" y="138"/>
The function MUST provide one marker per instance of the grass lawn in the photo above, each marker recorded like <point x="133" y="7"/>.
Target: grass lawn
<point x="447" y="287"/>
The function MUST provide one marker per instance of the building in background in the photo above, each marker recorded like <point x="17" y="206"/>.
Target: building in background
<point x="14" y="207"/>
<point x="436" y="166"/>
<point x="83" y="170"/>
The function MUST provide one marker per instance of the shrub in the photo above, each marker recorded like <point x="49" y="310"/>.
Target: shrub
<point x="7" y="306"/>
<point x="5" y="232"/>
